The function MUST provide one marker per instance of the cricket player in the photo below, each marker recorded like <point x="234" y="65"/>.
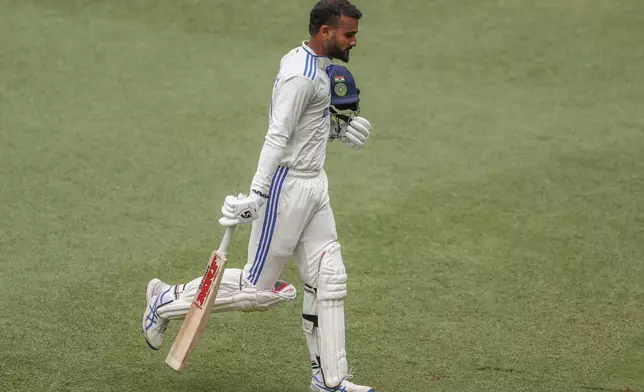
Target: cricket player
<point x="288" y="204"/>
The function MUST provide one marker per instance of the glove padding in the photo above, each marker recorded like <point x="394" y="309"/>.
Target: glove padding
<point x="338" y="129"/>
<point x="357" y="132"/>
<point x="240" y="209"/>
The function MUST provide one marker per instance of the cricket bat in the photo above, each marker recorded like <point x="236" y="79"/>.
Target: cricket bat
<point x="197" y="317"/>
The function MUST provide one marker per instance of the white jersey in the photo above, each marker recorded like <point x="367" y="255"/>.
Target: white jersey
<point x="299" y="120"/>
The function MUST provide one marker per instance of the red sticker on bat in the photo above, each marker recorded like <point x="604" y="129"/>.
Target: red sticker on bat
<point x="206" y="283"/>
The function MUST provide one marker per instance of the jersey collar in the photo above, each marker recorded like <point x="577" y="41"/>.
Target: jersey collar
<point x="321" y="61"/>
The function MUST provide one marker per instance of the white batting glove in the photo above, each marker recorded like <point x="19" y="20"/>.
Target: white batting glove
<point x="357" y="132"/>
<point x="338" y="128"/>
<point x="240" y="209"/>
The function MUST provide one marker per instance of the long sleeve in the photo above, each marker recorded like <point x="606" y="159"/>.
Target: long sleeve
<point x="289" y="101"/>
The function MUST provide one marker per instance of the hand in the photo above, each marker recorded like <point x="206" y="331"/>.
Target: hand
<point x="240" y="209"/>
<point x="338" y="128"/>
<point x="357" y="132"/>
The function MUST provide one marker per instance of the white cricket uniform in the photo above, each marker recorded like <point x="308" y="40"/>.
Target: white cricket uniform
<point x="297" y="218"/>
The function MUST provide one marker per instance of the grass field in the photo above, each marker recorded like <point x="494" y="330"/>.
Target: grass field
<point x="493" y="230"/>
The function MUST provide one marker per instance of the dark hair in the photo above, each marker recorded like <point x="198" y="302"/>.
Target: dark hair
<point x="327" y="12"/>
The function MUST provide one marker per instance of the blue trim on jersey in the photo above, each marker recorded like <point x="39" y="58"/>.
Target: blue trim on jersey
<point x="271" y="212"/>
<point x="310" y="68"/>
<point x="270" y="218"/>
<point x="307" y="65"/>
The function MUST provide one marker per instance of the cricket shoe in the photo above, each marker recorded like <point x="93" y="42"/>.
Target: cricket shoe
<point x="317" y="385"/>
<point x="154" y="326"/>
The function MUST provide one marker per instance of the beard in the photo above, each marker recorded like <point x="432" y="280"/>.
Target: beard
<point x="342" y="55"/>
<point x="336" y="52"/>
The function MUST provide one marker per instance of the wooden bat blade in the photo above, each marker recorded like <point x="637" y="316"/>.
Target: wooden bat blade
<point x="196" y="319"/>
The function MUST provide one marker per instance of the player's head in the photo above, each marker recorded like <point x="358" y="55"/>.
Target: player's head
<point x="345" y="95"/>
<point x="335" y="24"/>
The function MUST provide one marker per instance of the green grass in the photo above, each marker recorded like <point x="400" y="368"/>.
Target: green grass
<point x="493" y="230"/>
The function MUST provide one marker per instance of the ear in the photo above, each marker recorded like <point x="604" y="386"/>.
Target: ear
<point x="325" y="32"/>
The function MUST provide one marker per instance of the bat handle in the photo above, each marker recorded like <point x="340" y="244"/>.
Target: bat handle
<point x="225" y="242"/>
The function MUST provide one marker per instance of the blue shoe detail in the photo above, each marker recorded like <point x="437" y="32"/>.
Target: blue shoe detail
<point x="148" y="343"/>
<point x="317" y="384"/>
<point x="152" y="317"/>
<point x="320" y="384"/>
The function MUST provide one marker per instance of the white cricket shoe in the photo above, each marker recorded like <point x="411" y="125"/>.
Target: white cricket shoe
<point x="317" y="385"/>
<point x="154" y="326"/>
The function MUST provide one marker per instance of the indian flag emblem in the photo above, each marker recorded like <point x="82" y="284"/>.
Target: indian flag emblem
<point x="339" y="79"/>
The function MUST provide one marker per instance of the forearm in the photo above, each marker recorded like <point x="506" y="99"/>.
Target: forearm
<point x="269" y="160"/>
<point x="244" y="209"/>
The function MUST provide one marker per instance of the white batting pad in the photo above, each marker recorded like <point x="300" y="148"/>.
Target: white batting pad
<point x="240" y="297"/>
<point x="310" y="326"/>
<point x="232" y="296"/>
<point x="331" y="291"/>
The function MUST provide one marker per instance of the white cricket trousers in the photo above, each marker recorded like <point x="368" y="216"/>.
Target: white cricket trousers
<point x="296" y="220"/>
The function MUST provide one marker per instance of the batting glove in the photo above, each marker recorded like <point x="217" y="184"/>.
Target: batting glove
<point x="240" y="209"/>
<point x="357" y="132"/>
